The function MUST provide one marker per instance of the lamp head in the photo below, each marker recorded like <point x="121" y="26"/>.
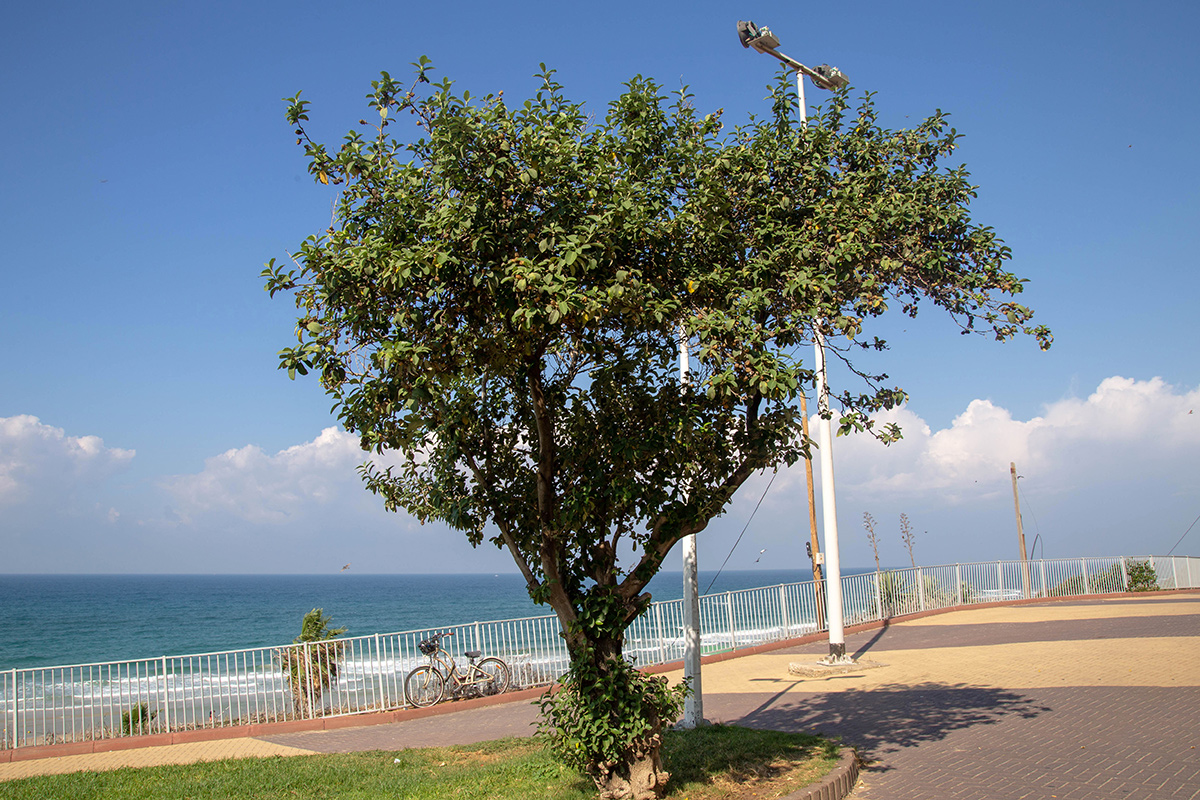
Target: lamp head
<point x="831" y="78"/>
<point x="761" y="39"/>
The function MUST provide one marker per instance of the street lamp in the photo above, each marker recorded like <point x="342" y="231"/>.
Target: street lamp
<point x="762" y="40"/>
<point x="830" y="79"/>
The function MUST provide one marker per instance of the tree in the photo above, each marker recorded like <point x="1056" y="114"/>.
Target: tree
<point x="501" y="296"/>
<point x="313" y="665"/>
<point x="908" y="537"/>
<point x="872" y="538"/>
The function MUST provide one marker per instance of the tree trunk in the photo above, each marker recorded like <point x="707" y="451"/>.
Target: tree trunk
<point x="637" y="772"/>
<point x="641" y="777"/>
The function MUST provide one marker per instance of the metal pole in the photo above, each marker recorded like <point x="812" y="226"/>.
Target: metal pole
<point x="833" y="578"/>
<point x="1012" y="468"/>
<point x="693" y="706"/>
<point x="833" y="581"/>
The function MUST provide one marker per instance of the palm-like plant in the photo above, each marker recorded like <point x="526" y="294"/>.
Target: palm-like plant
<point x="311" y="665"/>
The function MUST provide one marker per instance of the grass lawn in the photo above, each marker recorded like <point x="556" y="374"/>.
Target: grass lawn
<point x="705" y="764"/>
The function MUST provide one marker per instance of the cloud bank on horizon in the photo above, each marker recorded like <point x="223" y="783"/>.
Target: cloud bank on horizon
<point x="1094" y="470"/>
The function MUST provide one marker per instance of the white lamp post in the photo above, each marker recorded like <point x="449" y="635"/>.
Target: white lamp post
<point x="693" y="705"/>
<point x="831" y="79"/>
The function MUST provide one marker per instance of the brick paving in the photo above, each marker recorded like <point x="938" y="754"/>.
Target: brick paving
<point x="459" y="727"/>
<point x="1092" y="699"/>
<point x="959" y="738"/>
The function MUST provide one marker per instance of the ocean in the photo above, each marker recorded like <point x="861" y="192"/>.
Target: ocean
<point x="58" y="620"/>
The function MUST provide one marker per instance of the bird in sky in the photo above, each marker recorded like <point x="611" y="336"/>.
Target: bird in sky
<point x="760" y="552"/>
<point x="345" y="568"/>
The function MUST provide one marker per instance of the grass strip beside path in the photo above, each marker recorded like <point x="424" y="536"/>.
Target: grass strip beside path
<point x="709" y="763"/>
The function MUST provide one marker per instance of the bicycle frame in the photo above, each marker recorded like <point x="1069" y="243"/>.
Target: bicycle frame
<point x="456" y="679"/>
<point x="429" y="683"/>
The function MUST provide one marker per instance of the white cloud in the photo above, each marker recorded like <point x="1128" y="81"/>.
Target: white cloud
<point x="1111" y="473"/>
<point x="41" y="464"/>
<point x="302" y="509"/>
<point x="253" y="486"/>
<point x="1125" y="423"/>
<point x="1114" y="472"/>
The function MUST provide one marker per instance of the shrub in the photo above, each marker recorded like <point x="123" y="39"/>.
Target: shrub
<point x="312" y="668"/>
<point x="1108" y="580"/>
<point x="137" y="720"/>
<point x="613" y="735"/>
<point x="894" y="593"/>
<point x="1142" y="576"/>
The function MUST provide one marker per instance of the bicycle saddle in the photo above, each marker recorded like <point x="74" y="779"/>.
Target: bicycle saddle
<point x="473" y="653"/>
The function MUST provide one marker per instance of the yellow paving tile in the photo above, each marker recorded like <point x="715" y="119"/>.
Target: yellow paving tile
<point x="1167" y="661"/>
<point x="1051" y="612"/>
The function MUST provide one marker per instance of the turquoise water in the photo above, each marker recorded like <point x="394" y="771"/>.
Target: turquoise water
<point x="52" y="620"/>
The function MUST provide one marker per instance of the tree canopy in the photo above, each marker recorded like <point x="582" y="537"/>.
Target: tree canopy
<point x="503" y="291"/>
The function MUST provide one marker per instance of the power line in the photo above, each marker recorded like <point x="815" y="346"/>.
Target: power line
<point x="743" y="533"/>
<point x="1185" y="533"/>
<point x="1037" y="528"/>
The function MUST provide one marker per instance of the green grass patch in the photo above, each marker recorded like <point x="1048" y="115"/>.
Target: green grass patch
<point x="706" y="764"/>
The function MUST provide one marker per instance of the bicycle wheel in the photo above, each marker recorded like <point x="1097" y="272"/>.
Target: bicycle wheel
<point x="498" y="676"/>
<point x="424" y="686"/>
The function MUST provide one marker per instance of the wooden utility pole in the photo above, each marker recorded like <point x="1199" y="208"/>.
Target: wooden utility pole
<point x="814" y="542"/>
<point x="1012" y="468"/>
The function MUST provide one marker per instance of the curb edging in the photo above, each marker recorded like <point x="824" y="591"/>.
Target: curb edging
<point x="257" y="730"/>
<point x="834" y="786"/>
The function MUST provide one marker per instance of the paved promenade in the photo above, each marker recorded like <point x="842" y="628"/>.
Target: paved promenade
<point x="1088" y="699"/>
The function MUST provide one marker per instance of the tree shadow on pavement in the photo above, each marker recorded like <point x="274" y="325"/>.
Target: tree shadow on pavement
<point x="889" y="718"/>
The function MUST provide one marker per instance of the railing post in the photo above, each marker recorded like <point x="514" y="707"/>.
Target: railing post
<point x="729" y="611"/>
<point x="958" y="583"/>
<point x="13" y="742"/>
<point x="783" y="615"/>
<point x="819" y="615"/>
<point x="1000" y="577"/>
<point x="308" y="680"/>
<point x="1124" y="575"/>
<point x="1174" y="572"/>
<point x="1042" y="571"/>
<point x="878" y="598"/>
<point x="658" y="633"/>
<point x="166" y="698"/>
<point x="383" y="692"/>
<point x="1087" y="583"/>
<point x="921" y="586"/>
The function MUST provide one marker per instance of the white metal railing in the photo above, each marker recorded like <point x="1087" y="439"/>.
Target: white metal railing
<point x="366" y="673"/>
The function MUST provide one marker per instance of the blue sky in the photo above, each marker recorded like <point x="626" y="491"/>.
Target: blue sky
<point x="149" y="173"/>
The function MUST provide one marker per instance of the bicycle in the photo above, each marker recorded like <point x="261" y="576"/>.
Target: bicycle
<point x="428" y="683"/>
